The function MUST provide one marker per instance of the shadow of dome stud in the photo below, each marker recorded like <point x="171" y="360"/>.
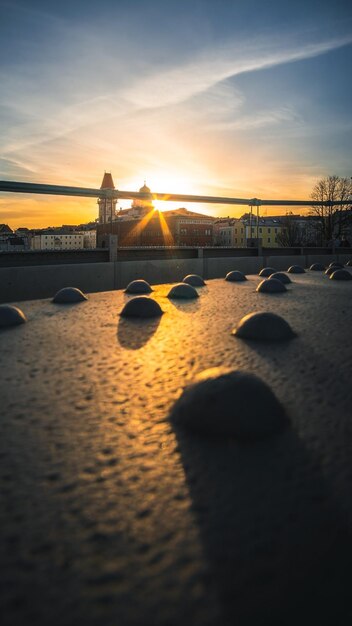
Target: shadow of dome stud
<point x="141" y="307"/>
<point x="271" y="285"/>
<point x="194" y="280"/>
<point x="183" y="291"/>
<point x="317" y="267"/>
<point x="69" y="295"/>
<point x="267" y="271"/>
<point x="263" y="326"/>
<point x="296" y="269"/>
<point x="235" y="276"/>
<point x="282" y="277"/>
<point x="229" y="403"/>
<point x="138" y="286"/>
<point x="339" y="274"/>
<point x="11" y="316"/>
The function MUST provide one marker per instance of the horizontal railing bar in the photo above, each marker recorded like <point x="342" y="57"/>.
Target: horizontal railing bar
<point x="60" y="190"/>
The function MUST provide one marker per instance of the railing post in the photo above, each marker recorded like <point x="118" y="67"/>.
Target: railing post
<point x="112" y="248"/>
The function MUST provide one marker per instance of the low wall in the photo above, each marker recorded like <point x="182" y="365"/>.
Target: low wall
<point x="43" y="281"/>
<point x="30" y="283"/>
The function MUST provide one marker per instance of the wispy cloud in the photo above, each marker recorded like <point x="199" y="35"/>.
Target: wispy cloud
<point x="183" y="82"/>
<point x="260" y="119"/>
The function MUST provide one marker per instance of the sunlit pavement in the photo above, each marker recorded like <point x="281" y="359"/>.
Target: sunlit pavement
<point x="111" y="517"/>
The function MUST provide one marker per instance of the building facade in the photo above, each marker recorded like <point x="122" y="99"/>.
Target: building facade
<point x="57" y="241"/>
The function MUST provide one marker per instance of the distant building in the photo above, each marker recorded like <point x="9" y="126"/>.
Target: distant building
<point x="229" y="231"/>
<point x="12" y="241"/>
<point x="143" y="225"/>
<point x="57" y="241"/>
<point x="107" y="206"/>
<point x="264" y="231"/>
<point x="5" y="229"/>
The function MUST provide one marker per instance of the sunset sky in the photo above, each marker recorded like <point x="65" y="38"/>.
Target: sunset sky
<point x="245" y="98"/>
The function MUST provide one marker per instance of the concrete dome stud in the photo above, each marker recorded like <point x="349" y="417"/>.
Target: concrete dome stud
<point x="11" y="316"/>
<point x="341" y="275"/>
<point x="183" y="291"/>
<point x="296" y="269"/>
<point x="69" y="295"/>
<point x="267" y="271"/>
<point x="138" y="286"/>
<point x="282" y="277"/>
<point x="141" y="307"/>
<point x="271" y="285"/>
<point x="230" y="404"/>
<point x="336" y="264"/>
<point x="235" y="276"/>
<point x="331" y="269"/>
<point x="194" y="279"/>
<point x="263" y="326"/>
<point x="317" y="267"/>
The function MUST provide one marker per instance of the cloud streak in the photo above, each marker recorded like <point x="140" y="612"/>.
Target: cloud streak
<point x="181" y="83"/>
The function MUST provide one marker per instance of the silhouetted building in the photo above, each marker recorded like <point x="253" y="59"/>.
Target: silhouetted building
<point x="107" y="206"/>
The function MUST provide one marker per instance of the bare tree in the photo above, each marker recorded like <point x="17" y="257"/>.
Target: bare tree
<point x="332" y="218"/>
<point x="291" y="234"/>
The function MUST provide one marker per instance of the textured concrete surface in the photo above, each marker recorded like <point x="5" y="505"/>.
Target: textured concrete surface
<point x="111" y="516"/>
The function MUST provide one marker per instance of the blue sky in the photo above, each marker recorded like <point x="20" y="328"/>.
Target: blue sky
<point x="226" y="98"/>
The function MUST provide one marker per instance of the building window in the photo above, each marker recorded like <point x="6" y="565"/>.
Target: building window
<point x="260" y="230"/>
<point x="268" y="230"/>
<point x="268" y="239"/>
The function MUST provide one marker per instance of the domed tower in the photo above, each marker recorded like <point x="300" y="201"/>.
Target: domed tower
<point x="107" y="206"/>
<point x="144" y="206"/>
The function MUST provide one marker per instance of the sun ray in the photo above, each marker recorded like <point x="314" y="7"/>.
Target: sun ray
<point x="139" y="227"/>
<point x="166" y="233"/>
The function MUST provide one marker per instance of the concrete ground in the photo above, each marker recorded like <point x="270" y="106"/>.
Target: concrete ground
<point x="111" y="516"/>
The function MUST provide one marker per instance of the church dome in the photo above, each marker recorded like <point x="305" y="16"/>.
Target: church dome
<point x="144" y="189"/>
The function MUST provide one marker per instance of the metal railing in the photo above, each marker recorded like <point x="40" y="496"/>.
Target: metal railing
<point x="61" y="190"/>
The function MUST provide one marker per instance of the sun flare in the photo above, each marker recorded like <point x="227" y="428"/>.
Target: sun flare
<point x="164" y="183"/>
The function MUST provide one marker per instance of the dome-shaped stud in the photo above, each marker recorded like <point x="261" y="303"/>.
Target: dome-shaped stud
<point x="183" y="291"/>
<point x="235" y="276"/>
<point x="263" y="326"/>
<point x="138" y="286"/>
<point x="296" y="269"/>
<point x="69" y="295"/>
<point x="331" y="269"/>
<point x="317" y="267"/>
<point x="141" y="307"/>
<point x="336" y="264"/>
<point x="234" y="403"/>
<point x="282" y="277"/>
<point x="271" y="285"/>
<point x="194" y="280"/>
<point x="340" y="275"/>
<point x="11" y="316"/>
<point x="267" y="271"/>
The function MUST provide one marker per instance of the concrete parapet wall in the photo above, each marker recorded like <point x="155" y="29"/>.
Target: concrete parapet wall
<point x="156" y="272"/>
<point x="282" y="263"/>
<point x="30" y="283"/>
<point x="218" y="268"/>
